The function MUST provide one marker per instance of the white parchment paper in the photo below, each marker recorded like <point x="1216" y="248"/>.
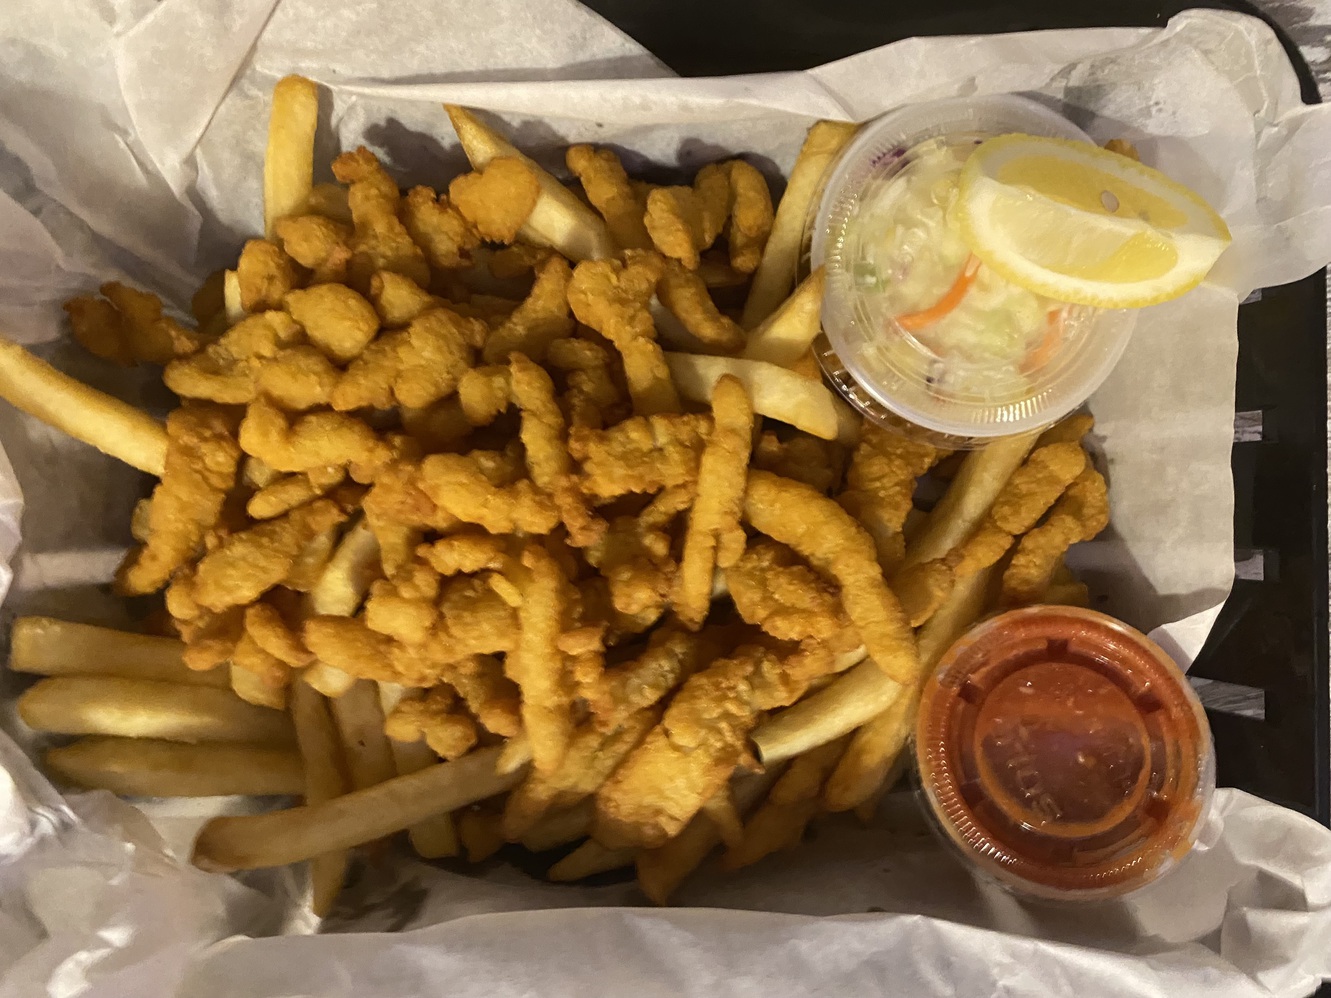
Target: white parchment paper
<point x="131" y="133"/>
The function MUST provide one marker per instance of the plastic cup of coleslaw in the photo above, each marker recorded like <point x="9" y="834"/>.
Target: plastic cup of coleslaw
<point x="919" y="335"/>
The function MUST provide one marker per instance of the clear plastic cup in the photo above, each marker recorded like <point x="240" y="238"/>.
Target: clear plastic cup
<point x="1002" y="361"/>
<point x="1063" y="754"/>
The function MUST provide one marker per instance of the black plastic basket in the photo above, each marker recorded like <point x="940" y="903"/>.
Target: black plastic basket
<point x="1263" y="673"/>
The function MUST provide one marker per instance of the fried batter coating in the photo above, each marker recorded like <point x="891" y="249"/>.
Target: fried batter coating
<point x="777" y="592"/>
<point x="715" y="536"/>
<point x="336" y="319"/>
<point x="201" y="459"/>
<point x="1068" y="430"/>
<point x="298" y="378"/>
<point x="476" y="619"/>
<point x="922" y="588"/>
<point x="434" y="717"/>
<point x="226" y="371"/>
<point x="1034" y="486"/>
<point x="683" y="221"/>
<point x="537" y="665"/>
<point x="404" y="607"/>
<point x="320" y="245"/>
<point x="316" y="440"/>
<point x="1078" y="515"/>
<point x="542" y="318"/>
<point x="801" y="456"/>
<point x="346" y="643"/>
<point x="467" y="553"/>
<point x="611" y="193"/>
<point x="880" y="484"/>
<point x="126" y="326"/>
<point x="210" y="638"/>
<point x="381" y="241"/>
<point x="290" y="491"/>
<point x="593" y="754"/>
<point x="412" y="367"/>
<point x="686" y="296"/>
<point x="751" y="216"/>
<point x="835" y="545"/>
<point x="456" y="485"/>
<point x="398" y="299"/>
<point x="485" y="392"/>
<point x="671" y="656"/>
<point x="439" y="229"/>
<point x="592" y="400"/>
<point x="266" y="625"/>
<point x="490" y="695"/>
<point x="497" y="199"/>
<point x="612" y="298"/>
<point x="265" y="274"/>
<point x="634" y="555"/>
<point x="249" y="563"/>
<point x="641" y="454"/>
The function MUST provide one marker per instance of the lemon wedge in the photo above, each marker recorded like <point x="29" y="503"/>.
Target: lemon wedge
<point x="1077" y="223"/>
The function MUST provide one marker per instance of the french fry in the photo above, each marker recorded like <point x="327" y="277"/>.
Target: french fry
<point x="251" y="688"/>
<point x="775" y="391"/>
<point x="516" y="754"/>
<point x="590" y="858"/>
<point x="95" y="418"/>
<point x="360" y="725"/>
<point x="51" y="647"/>
<point x="436" y="836"/>
<point x="288" y="163"/>
<point x="325" y="779"/>
<point x="860" y="695"/>
<point x="254" y="841"/>
<point x="150" y="767"/>
<point x="873" y="751"/>
<point x="775" y="275"/>
<point x="339" y="592"/>
<point x="479" y="831"/>
<point x="231" y="304"/>
<point x="784" y="337"/>
<point x="559" y="220"/>
<point x="142" y="708"/>
<point x="559" y="828"/>
<point x="982" y="476"/>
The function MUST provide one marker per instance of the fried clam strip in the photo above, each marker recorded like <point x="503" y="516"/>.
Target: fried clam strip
<point x="441" y="231"/>
<point x="497" y="198"/>
<point x="671" y="656"/>
<point x="458" y="485"/>
<point x="880" y="483"/>
<point x="835" y="545"/>
<point x="684" y="293"/>
<point x="592" y="399"/>
<point x="336" y="320"/>
<point x="683" y="221"/>
<point x="801" y="456"/>
<point x="777" y="592"/>
<point x="537" y="664"/>
<point x="872" y="754"/>
<point x="689" y="757"/>
<point x="381" y="241"/>
<point x="319" y="244"/>
<point x="127" y="326"/>
<point x="1078" y="515"/>
<point x="414" y="366"/>
<point x="226" y="370"/>
<point x="315" y="440"/>
<point x="593" y="754"/>
<point x="634" y="557"/>
<point x="201" y="459"/>
<point x="715" y="536"/>
<point x="433" y="717"/>
<point x="611" y="193"/>
<point x="612" y="298"/>
<point x="264" y="274"/>
<point x="542" y="318"/>
<point x="751" y="216"/>
<point x="641" y="454"/>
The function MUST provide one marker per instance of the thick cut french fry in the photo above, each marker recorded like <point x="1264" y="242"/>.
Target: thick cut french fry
<point x="559" y="828"/>
<point x="360" y="725"/>
<point x="339" y="592"/>
<point x="559" y="220"/>
<point x="150" y="767"/>
<point x="860" y="695"/>
<point x="437" y="836"/>
<point x="589" y="858"/>
<point x="982" y="476"/>
<point x="95" y="418"/>
<point x="775" y="391"/>
<point x="288" y="163"/>
<point x="254" y="841"/>
<point x="51" y="647"/>
<point x="325" y="778"/>
<point x="873" y="751"/>
<point x="252" y="688"/>
<point x="775" y="275"/>
<point x="142" y="708"/>
<point x="231" y="304"/>
<point x="785" y="336"/>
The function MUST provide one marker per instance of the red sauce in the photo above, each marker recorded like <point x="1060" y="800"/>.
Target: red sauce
<point x="1064" y="752"/>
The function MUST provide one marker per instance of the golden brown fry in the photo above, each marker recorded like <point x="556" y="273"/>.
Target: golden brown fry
<point x="50" y="647"/>
<point x="715" y="536"/>
<point x="439" y="229"/>
<point x="435" y="836"/>
<point x="498" y="198"/>
<point x="1080" y="514"/>
<point x="201" y="459"/>
<point x="542" y="318"/>
<point x="873" y="751"/>
<point x="480" y="832"/>
<point x="686" y="296"/>
<point x="775" y="275"/>
<point x="608" y="188"/>
<point x="360" y="726"/>
<point x="826" y="536"/>
<point x="775" y="591"/>
<point x="141" y="708"/>
<point x="785" y="336"/>
<point x="536" y="664"/>
<point x="751" y="216"/>
<point x="149" y="767"/>
<point x="113" y="427"/>
<point x="381" y="241"/>
<point x="589" y="859"/>
<point x="612" y="298"/>
<point x="642" y="454"/>
<point x="288" y="162"/>
<point x="325" y="778"/>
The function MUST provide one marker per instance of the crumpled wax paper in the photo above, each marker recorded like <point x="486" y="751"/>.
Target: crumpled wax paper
<point x="131" y="138"/>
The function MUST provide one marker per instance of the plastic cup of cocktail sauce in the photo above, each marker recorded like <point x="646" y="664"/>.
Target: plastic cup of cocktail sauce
<point x="1006" y="360"/>
<point x="1063" y="754"/>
